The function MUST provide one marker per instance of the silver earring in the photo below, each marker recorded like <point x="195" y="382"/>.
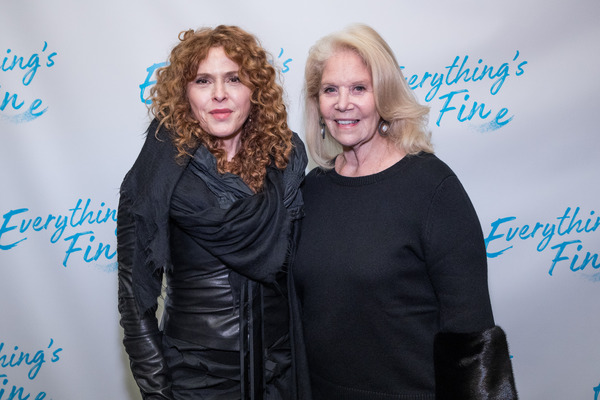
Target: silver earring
<point x="383" y="127"/>
<point x="322" y="125"/>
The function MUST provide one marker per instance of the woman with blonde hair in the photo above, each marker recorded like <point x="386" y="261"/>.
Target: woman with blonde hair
<point x="211" y="204"/>
<point x="390" y="274"/>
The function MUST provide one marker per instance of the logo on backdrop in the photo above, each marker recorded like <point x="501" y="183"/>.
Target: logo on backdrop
<point x="11" y="360"/>
<point x="450" y="87"/>
<point x="565" y="237"/>
<point x="16" y="104"/>
<point x="151" y="70"/>
<point x="73" y="232"/>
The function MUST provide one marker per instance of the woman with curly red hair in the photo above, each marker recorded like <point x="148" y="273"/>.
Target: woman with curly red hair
<point x="211" y="204"/>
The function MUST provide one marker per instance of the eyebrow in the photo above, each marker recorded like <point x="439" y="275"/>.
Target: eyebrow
<point x="361" y="82"/>
<point x="210" y="75"/>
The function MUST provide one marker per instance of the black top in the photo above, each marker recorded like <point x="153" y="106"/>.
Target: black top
<point x="384" y="263"/>
<point x="199" y="307"/>
<point x="251" y="235"/>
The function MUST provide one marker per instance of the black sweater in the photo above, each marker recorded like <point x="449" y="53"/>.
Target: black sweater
<point x="384" y="263"/>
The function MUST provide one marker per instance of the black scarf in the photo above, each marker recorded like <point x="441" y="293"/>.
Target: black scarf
<point x="248" y="232"/>
<point x="253" y="247"/>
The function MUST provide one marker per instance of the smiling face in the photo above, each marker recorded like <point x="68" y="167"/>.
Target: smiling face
<point x="219" y="100"/>
<point x="347" y="101"/>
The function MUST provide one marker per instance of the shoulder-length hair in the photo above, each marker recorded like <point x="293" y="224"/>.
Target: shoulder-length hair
<point x="265" y="138"/>
<point x="394" y="100"/>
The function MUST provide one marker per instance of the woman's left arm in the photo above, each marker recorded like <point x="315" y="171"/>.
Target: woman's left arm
<point x="471" y="353"/>
<point x="141" y="336"/>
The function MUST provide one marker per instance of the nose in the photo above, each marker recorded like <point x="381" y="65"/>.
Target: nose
<point x="344" y="102"/>
<point x="219" y="91"/>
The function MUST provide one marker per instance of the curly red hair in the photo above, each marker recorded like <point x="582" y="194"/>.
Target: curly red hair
<point x="265" y="138"/>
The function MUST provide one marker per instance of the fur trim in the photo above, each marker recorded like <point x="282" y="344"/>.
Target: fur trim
<point x="473" y="366"/>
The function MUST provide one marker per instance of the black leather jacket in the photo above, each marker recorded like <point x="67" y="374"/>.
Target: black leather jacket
<point x="143" y="236"/>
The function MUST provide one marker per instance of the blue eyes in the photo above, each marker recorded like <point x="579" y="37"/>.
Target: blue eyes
<point x="354" y="89"/>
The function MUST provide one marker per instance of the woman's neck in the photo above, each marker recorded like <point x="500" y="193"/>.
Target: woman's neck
<point x="368" y="159"/>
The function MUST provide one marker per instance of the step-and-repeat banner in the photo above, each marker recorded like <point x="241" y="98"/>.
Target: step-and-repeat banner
<point x="514" y="94"/>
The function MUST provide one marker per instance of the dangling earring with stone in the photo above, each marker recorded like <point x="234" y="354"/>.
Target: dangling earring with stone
<point x="383" y="127"/>
<point x="322" y="125"/>
<point x="249" y="119"/>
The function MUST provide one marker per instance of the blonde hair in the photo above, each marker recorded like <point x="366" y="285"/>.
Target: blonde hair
<point x="265" y="137"/>
<point x="394" y="100"/>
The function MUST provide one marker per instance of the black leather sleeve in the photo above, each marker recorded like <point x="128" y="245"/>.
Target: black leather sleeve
<point x="142" y="338"/>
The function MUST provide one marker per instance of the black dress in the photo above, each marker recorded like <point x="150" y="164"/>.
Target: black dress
<point x="387" y="265"/>
<point x="225" y="327"/>
<point x="201" y="320"/>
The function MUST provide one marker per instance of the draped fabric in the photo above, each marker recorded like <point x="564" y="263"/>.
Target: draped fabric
<point x="148" y="186"/>
<point x="252" y="234"/>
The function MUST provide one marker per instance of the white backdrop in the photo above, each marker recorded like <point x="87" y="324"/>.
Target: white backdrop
<point x="513" y="88"/>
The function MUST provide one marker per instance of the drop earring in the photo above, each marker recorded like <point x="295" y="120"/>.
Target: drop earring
<point x="383" y="127"/>
<point x="322" y="125"/>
